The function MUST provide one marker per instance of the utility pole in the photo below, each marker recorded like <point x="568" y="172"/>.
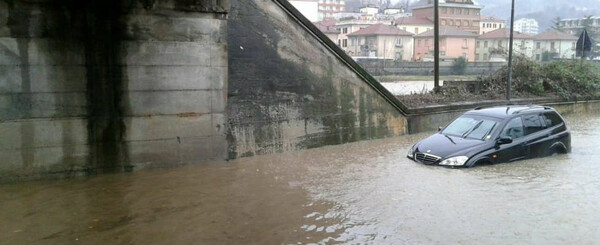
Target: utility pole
<point x="510" y="50"/>
<point x="436" y="41"/>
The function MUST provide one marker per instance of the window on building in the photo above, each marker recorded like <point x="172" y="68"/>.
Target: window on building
<point x="477" y="56"/>
<point x="494" y="25"/>
<point x="419" y="43"/>
<point x="552" y="45"/>
<point x="573" y="45"/>
<point x="399" y="41"/>
<point x="451" y="10"/>
<point x="485" y="44"/>
<point x="345" y="43"/>
<point x="537" y="57"/>
<point x="458" y="11"/>
<point x="465" y="23"/>
<point x="345" y="30"/>
<point x="537" y="45"/>
<point x="485" y="56"/>
<point x="444" y="10"/>
<point x="478" y="44"/>
<point x="451" y="22"/>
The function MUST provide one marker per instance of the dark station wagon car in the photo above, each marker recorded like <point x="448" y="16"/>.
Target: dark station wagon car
<point x="495" y="135"/>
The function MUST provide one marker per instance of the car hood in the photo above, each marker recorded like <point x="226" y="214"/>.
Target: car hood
<point x="446" y="146"/>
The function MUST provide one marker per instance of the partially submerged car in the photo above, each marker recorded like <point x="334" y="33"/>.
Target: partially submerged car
<point x="495" y="135"/>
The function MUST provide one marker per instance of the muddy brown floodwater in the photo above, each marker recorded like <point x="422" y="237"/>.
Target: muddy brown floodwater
<point x="366" y="192"/>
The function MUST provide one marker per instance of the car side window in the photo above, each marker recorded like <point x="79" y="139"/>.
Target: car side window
<point x="514" y="129"/>
<point x="551" y="119"/>
<point x="533" y="123"/>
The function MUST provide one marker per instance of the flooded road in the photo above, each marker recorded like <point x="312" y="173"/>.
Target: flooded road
<point x="367" y="192"/>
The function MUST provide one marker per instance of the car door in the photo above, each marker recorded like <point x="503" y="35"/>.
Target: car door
<point x="516" y="150"/>
<point x="537" y="135"/>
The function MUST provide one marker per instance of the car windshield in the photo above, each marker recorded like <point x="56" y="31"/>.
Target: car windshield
<point x="471" y="127"/>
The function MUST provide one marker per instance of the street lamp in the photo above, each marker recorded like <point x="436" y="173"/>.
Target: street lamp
<point x="510" y="50"/>
<point x="436" y="49"/>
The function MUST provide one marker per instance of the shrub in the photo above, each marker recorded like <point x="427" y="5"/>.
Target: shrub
<point x="459" y="66"/>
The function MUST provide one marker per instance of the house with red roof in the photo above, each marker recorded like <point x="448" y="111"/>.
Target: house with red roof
<point x="328" y="28"/>
<point x="382" y="42"/>
<point x="493" y="45"/>
<point x="413" y="25"/>
<point x="454" y="43"/>
<point x="556" y="44"/>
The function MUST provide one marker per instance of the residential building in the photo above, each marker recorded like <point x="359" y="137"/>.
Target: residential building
<point x="527" y="26"/>
<point x="328" y="28"/>
<point x="369" y="10"/>
<point x="414" y="25"/>
<point x="351" y="25"/>
<point x="454" y="43"/>
<point x="382" y="42"/>
<point x="575" y="26"/>
<point x="393" y="11"/>
<point x="328" y="8"/>
<point x="459" y="14"/>
<point x="308" y="8"/>
<point x="490" y="23"/>
<point x="493" y="45"/>
<point x="554" y="44"/>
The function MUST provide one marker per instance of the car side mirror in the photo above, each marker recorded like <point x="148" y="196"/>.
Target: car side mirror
<point x="504" y="140"/>
<point x="440" y="129"/>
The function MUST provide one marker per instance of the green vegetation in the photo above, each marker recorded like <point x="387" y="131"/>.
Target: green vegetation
<point x="568" y="80"/>
<point x="459" y="66"/>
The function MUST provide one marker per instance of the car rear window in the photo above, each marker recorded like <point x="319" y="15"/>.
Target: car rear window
<point x="533" y="123"/>
<point x="552" y="119"/>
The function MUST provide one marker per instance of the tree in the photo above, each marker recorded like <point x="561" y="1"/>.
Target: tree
<point x="459" y="66"/>
<point x="556" y="24"/>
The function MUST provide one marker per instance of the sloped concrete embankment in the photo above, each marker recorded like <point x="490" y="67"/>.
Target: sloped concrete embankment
<point x="291" y="88"/>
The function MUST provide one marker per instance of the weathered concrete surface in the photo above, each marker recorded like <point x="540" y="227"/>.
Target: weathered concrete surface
<point x="289" y="89"/>
<point x="102" y="86"/>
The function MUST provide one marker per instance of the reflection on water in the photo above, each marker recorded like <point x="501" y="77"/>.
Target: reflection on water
<point x="356" y="193"/>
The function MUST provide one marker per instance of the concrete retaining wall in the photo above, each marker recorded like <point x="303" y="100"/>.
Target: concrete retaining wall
<point x="389" y="67"/>
<point x="291" y="88"/>
<point x="103" y="86"/>
<point x="429" y="119"/>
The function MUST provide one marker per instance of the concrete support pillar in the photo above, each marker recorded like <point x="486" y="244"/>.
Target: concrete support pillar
<point x="93" y="86"/>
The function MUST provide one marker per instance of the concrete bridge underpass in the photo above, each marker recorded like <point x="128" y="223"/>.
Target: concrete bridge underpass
<point x="89" y="87"/>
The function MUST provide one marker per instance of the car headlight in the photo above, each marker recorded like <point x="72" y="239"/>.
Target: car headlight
<point x="455" y="161"/>
<point x="411" y="152"/>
